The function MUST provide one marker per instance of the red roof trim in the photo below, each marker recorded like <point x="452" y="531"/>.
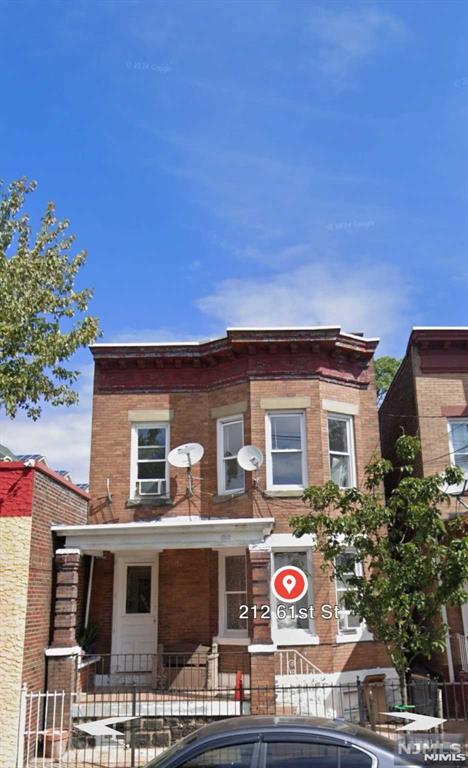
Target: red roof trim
<point x="5" y="466"/>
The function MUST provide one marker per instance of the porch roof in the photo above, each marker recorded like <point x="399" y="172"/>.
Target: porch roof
<point x="169" y="533"/>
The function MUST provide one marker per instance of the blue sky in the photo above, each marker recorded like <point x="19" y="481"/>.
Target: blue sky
<point x="232" y="163"/>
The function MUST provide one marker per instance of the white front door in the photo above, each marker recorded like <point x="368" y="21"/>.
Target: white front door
<point x="135" y="612"/>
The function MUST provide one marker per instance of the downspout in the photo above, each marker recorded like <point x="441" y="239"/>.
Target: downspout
<point x="88" y="596"/>
<point x="448" y="646"/>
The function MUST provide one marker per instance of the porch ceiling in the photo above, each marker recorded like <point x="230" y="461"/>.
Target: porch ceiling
<point x="171" y="533"/>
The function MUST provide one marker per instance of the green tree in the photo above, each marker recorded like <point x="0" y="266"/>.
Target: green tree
<point x="415" y="561"/>
<point x="43" y="318"/>
<point x="385" y="369"/>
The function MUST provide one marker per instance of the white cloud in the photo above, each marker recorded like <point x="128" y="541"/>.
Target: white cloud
<point x="62" y="435"/>
<point x="371" y="298"/>
<point x="347" y="37"/>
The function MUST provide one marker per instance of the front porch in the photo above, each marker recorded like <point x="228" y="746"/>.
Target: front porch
<point x="163" y="598"/>
<point x="204" y="669"/>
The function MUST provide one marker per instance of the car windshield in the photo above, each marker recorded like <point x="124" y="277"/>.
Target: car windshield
<point x="172" y="751"/>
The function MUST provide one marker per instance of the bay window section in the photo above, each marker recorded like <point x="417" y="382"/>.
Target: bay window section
<point x="230" y="440"/>
<point x="458" y="432"/>
<point x="350" y="627"/>
<point x="341" y="450"/>
<point x="293" y="623"/>
<point x="286" y="450"/>
<point x="149" y="466"/>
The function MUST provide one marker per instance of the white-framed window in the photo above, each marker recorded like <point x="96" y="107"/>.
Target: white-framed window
<point x="341" y="450"/>
<point x="350" y="627"/>
<point x="149" y="472"/>
<point x="230" y="439"/>
<point x="458" y="438"/>
<point x="286" y="448"/>
<point x="232" y="576"/>
<point x="293" y="623"/>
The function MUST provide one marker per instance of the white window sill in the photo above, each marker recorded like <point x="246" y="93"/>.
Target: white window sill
<point x="149" y="501"/>
<point x="228" y="495"/>
<point x="278" y="493"/>
<point x="360" y="636"/>
<point x="288" y="637"/>
<point x="223" y="640"/>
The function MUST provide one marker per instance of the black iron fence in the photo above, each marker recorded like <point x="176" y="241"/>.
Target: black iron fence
<point x="174" y="670"/>
<point x="63" y="729"/>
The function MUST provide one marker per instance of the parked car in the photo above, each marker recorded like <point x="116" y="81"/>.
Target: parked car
<point x="280" y="742"/>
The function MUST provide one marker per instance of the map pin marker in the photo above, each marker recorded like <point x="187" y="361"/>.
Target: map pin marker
<point x="289" y="583"/>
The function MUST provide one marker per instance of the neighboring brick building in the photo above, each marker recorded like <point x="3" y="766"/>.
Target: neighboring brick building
<point x="171" y="570"/>
<point x="32" y="498"/>
<point x="429" y="398"/>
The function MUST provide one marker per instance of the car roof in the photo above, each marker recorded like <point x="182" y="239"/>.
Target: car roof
<point x="264" y="723"/>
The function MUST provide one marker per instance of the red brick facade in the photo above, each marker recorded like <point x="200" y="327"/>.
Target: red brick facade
<point x="191" y="383"/>
<point x="48" y="499"/>
<point x="430" y="387"/>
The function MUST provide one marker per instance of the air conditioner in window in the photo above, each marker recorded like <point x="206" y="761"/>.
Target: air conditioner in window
<point x="147" y="487"/>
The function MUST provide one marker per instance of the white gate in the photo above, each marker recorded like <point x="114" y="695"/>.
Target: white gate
<point x="43" y="729"/>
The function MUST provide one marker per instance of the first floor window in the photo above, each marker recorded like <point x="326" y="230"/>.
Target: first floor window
<point x="286" y="450"/>
<point x="341" y="450"/>
<point x="348" y="623"/>
<point x="150" y="443"/>
<point x="458" y="431"/>
<point x="233" y="594"/>
<point x="230" y="441"/>
<point x="289" y="619"/>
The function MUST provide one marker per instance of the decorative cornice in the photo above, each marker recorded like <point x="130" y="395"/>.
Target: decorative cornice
<point x="236" y="339"/>
<point x="441" y="350"/>
<point x="243" y="355"/>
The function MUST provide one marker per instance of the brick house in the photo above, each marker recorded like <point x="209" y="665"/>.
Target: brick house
<point x="32" y="498"/>
<point x="429" y="398"/>
<point x="171" y="570"/>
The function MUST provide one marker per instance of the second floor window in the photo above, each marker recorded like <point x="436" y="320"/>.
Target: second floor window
<point x="458" y="432"/>
<point x="149" y="470"/>
<point x="286" y="450"/>
<point x="230" y="441"/>
<point x="341" y="450"/>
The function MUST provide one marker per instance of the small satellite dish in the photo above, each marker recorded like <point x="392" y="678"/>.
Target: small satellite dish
<point x="186" y="455"/>
<point x="460" y="489"/>
<point x="250" y="458"/>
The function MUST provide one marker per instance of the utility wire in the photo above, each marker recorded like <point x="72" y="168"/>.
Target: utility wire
<point x="414" y="416"/>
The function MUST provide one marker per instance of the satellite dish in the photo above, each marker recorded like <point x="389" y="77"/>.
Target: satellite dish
<point x="250" y="458"/>
<point x="186" y="455"/>
<point x="459" y="489"/>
